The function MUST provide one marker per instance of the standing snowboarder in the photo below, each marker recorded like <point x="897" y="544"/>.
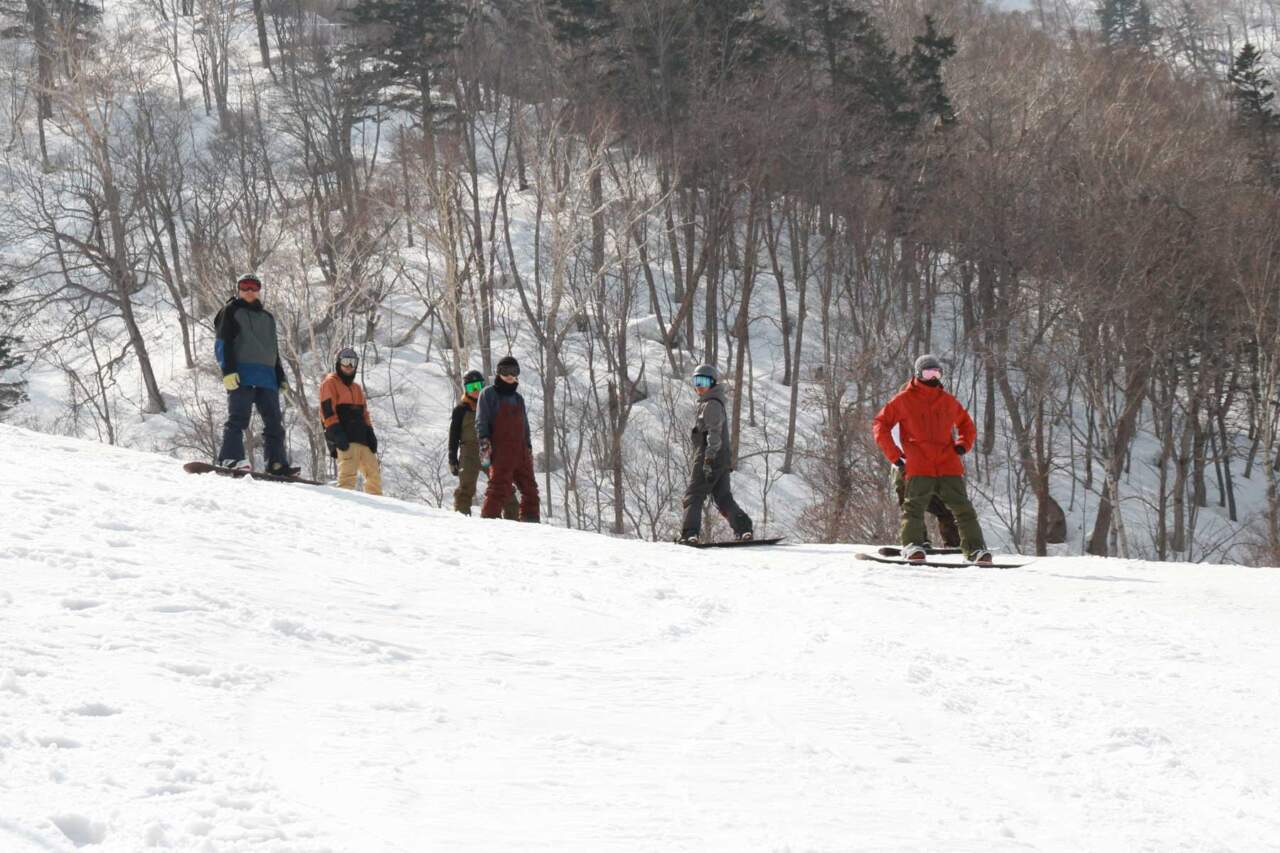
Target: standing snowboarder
<point x="464" y="449"/>
<point x="934" y="431"/>
<point x="348" y="428"/>
<point x="506" y="445"/>
<point x="709" y="461"/>
<point x="249" y="355"/>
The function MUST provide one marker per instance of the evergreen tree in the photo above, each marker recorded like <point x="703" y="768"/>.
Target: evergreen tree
<point x="1252" y="93"/>
<point x="929" y="53"/>
<point x="1251" y="90"/>
<point x="407" y="43"/>
<point x="1126" y="24"/>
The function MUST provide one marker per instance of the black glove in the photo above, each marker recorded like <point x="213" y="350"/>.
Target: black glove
<point x="960" y="450"/>
<point x="337" y="436"/>
<point x="333" y="448"/>
<point x="373" y="440"/>
<point x="900" y="463"/>
<point x="453" y="469"/>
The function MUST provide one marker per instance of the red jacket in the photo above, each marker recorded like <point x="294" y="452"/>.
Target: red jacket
<point x="928" y="419"/>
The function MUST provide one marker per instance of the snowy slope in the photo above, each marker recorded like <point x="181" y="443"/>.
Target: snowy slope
<point x="195" y="663"/>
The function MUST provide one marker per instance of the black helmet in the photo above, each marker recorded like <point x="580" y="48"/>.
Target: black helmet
<point x="472" y="376"/>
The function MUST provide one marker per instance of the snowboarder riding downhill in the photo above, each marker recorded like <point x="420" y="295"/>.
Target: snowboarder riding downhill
<point x="934" y="431"/>
<point x="348" y="429"/>
<point x="709" y="461"/>
<point x="506" y="446"/>
<point x="249" y="355"/>
<point x="464" y="449"/>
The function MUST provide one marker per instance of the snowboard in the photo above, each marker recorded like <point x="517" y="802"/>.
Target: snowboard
<point x="734" y="543"/>
<point x="207" y="468"/>
<point x="896" y="551"/>
<point x="939" y="564"/>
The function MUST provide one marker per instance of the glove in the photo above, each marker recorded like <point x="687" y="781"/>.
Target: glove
<point x="453" y="469"/>
<point x="960" y="450"/>
<point x="333" y="449"/>
<point x="231" y="381"/>
<point x="373" y="441"/>
<point x="708" y="467"/>
<point x="486" y="454"/>
<point x="337" y="436"/>
<point x="900" y="463"/>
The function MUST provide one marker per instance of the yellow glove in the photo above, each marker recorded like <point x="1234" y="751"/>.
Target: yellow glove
<point x="231" y="381"/>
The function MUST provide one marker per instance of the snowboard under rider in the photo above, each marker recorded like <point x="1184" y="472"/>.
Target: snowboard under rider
<point x="464" y="449"/>
<point x="348" y="428"/>
<point x="934" y="431"/>
<point x="249" y="354"/>
<point x="710" y="461"/>
<point x="506" y="445"/>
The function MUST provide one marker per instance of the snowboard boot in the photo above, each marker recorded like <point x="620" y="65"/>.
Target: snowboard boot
<point x="914" y="553"/>
<point x="691" y="539"/>
<point x="235" y="464"/>
<point x="280" y="469"/>
<point x="982" y="557"/>
<point x="745" y="537"/>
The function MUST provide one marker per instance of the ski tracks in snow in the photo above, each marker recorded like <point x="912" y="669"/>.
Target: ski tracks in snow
<point x="221" y="665"/>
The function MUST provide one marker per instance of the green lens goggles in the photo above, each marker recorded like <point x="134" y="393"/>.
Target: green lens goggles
<point x="474" y="387"/>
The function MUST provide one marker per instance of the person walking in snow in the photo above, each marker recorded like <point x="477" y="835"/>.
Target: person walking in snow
<point x="464" y="449"/>
<point x="710" y="461"/>
<point x="348" y="428"/>
<point x="506" y="445"/>
<point x="249" y="355"/>
<point x="934" y="431"/>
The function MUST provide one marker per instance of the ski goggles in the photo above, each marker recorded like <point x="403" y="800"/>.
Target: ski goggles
<point x="348" y="362"/>
<point x="931" y="373"/>
<point x="474" y="387"/>
<point x="250" y="284"/>
<point x="508" y="371"/>
<point x="703" y="381"/>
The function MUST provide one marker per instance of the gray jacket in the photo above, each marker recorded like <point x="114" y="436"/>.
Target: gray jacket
<point x="711" y="426"/>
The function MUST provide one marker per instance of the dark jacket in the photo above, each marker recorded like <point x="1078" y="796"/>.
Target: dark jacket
<point x="344" y="412"/>
<point x="246" y="344"/>
<point x="502" y="418"/>
<point x="930" y="424"/>
<point x="710" y="434"/>
<point x="462" y="429"/>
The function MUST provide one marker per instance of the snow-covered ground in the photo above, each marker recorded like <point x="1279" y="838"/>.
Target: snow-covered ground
<point x="197" y="663"/>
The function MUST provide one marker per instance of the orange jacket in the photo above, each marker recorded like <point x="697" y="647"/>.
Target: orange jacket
<point x="930" y="424"/>
<point x="344" y="412"/>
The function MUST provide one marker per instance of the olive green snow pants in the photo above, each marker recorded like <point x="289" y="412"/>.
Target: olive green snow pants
<point x="951" y="491"/>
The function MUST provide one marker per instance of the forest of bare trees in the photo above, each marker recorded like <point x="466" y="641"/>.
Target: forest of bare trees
<point x="1079" y="208"/>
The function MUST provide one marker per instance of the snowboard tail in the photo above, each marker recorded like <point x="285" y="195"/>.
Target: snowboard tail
<point x="734" y="543"/>
<point x="939" y="564"/>
<point x="207" y="468"/>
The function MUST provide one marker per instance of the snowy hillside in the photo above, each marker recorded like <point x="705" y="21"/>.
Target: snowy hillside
<point x="195" y="663"/>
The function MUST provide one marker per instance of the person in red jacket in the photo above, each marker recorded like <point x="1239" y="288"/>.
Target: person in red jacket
<point x="934" y="431"/>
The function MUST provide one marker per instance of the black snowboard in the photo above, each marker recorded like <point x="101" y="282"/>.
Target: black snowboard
<point x="206" y="468"/>
<point x="940" y="564"/>
<point x="734" y="543"/>
<point x="896" y="551"/>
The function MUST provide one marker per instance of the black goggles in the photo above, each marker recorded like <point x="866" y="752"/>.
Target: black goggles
<point x="509" y="371"/>
<point x="348" y="362"/>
